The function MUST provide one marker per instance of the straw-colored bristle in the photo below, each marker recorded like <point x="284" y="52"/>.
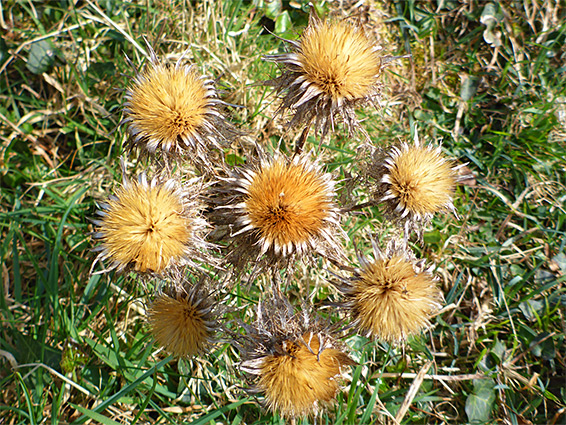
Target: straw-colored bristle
<point x="180" y="322"/>
<point x="149" y="226"/>
<point x="391" y="300"/>
<point x="296" y="381"/>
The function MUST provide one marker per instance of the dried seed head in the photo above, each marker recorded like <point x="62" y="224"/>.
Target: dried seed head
<point x="415" y="182"/>
<point x="295" y="361"/>
<point x="296" y="381"/>
<point x="150" y="226"/>
<point x="391" y="297"/>
<point x="283" y="207"/>
<point x="173" y="111"/>
<point x="182" y="319"/>
<point x="330" y="70"/>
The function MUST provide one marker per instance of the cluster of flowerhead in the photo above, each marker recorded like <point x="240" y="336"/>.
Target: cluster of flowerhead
<point x="268" y="214"/>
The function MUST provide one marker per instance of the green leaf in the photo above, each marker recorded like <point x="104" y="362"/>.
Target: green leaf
<point x="498" y="351"/>
<point x="469" y="87"/>
<point x="283" y="23"/>
<point x="543" y="346"/>
<point x="531" y="309"/>
<point x="95" y="416"/>
<point x="272" y="8"/>
<point x="41" y="56"/>
<point x="480" y="402"/>
<point x="560" y="260"/>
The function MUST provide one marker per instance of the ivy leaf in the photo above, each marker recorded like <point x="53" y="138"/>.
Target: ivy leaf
<point x="469" y="87"/>
<point x="480" y="402"/>
<point x="41" y="56"/>
<point x="272" y="9"/>
<point x="283" y="23"/>
<point x="544" y="349"/>
<point x="531" y="309"/>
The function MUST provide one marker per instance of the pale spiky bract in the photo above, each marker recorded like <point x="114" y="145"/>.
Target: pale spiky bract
<point x="391" y="297"/>
<point x="149" y="227"/>
<point x="283" y="206"/>
<point x="296" y="361"/>
<point x="182" y="319"/>
<point x="333" y="68"/>
<point x="173" y="110"/>
<point x="415" y="182"/>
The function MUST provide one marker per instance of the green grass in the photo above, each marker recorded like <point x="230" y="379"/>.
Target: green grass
<point x="75" y="346"/>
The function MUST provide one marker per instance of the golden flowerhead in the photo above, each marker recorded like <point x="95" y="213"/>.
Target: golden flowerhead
<point x="282" y="206"/>
<point x="415" y="182"/>
<point x="173" y="110"/>
<point x="151" y="226"/>
<point x="333" y="68"/>
<point x="295" y="361"/>
<point x="392" y="296"/>
<point x="182" y="318"/>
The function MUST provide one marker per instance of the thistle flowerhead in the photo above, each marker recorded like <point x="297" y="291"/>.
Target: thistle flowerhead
<point x="281" y="207"/>
<point x="392" y="296"/>
<point x="172" y="110"/>
<point x="330" y="70"/>
<point x="150" y="226"/>
<point x="296" y="362"/>
<point x="182" y="318"/>
<point x="414" y="183"/>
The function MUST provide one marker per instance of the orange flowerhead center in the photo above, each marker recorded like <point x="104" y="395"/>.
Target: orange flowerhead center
<point x="287" y="204"/>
